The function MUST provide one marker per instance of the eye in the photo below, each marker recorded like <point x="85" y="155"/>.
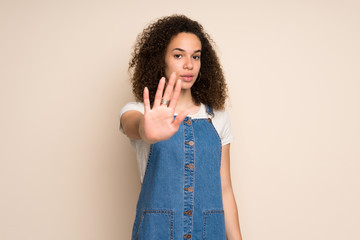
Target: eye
<point x="178" y="56"/>
<point x="196" y="57"/>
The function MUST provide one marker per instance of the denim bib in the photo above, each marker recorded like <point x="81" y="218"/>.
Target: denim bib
<point x="181" y="195"/>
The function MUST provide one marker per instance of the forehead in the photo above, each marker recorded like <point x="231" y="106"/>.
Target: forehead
<point x="186" y="41"/>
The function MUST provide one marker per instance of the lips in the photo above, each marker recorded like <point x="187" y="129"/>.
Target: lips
<point x="187" y="77"/>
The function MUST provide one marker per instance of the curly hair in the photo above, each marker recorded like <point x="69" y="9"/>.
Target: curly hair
<point x="147" y="64"/>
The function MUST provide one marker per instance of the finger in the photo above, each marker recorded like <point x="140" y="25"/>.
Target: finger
<point x="159" y="92"/>
<point x="179" y="118"/>
<point x="176" y="94"/>
<point x="170" y="86"/>
<point x="146" y="100"/>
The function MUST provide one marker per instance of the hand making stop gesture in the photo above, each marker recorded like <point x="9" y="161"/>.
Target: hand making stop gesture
<point x="158" y="122"/>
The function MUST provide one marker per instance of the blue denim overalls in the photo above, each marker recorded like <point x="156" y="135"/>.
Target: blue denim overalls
<point x="181" y="195"/>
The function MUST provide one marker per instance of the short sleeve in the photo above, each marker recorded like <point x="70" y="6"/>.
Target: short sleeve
<point x="137" y="106"/>
<point x="222" y="125"/>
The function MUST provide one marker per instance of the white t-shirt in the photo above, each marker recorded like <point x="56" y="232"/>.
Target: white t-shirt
<point x="221" y="122"/>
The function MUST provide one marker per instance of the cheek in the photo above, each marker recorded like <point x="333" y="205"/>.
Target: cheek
<point x="197" y="67"/>
<point x="168" y="67"/>
<point x="171" y="67"/>
<point x="167" y="72"/>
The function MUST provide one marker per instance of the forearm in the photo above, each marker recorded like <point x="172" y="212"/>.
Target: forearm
<point x="131" y="124"/>
<point x="232" y="225"/>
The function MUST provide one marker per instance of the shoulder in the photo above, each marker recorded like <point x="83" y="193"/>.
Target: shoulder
<point x="137" y="106"/>
<point x="221" y="115"/>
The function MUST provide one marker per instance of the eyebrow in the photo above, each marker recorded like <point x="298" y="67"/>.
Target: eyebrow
<point x="182" y="50"/>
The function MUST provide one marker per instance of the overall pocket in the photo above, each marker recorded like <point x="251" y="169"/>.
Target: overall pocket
<point x="214" y="225"/>
<point x="156" y="224"/>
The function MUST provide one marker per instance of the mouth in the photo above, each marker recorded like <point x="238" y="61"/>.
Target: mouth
<point x="187" y="77"/>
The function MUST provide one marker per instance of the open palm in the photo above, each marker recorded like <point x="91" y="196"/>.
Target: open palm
<point x="159" y="123"/>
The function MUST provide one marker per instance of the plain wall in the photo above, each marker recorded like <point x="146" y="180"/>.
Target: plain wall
<point x="292" y="67"/>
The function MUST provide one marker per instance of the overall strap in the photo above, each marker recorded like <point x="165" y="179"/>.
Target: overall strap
<point x="210" y="111"/>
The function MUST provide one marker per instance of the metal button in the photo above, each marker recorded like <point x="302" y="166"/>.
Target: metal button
<point x="209" y="119"/>
<point x="187" y="236"/>
<point x="188" y="122"/>
<point x="191" y="143"/>
<point x="189" y="213"/>
<point x="189" y="189"/>
<point x="191" y="166"/>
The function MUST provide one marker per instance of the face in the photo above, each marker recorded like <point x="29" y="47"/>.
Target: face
<point x="183" y="57"/>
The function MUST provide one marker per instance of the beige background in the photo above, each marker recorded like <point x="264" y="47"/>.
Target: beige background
<point x="293" y="74"/>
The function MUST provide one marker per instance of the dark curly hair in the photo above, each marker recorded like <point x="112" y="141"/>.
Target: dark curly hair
<point x="147" y="64"/>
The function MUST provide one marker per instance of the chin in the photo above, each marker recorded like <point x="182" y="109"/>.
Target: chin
<point x="186" y="85"/>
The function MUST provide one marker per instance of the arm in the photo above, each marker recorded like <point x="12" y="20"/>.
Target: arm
<point x="130" y="123"/>
<point x="157" y="123"/>
<point x="232" y="226"/>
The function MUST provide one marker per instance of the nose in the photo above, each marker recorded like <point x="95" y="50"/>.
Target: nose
<point x="188" y="64"/>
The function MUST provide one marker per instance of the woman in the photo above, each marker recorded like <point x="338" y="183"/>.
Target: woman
<point x="181" y="134"/>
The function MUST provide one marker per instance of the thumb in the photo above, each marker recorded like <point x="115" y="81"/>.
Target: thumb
<point x="179" y="118"/>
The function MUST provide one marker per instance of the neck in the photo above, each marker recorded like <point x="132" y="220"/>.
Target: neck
<point x="186" y="102"/>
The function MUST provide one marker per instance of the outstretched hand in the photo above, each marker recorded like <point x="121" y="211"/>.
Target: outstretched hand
<point x="158" y="122"/>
